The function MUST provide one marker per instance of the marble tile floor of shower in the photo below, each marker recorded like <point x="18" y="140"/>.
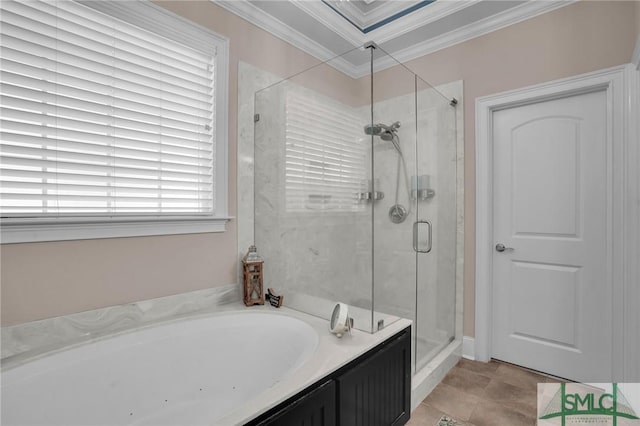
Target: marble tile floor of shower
<point x="482" y="394"/>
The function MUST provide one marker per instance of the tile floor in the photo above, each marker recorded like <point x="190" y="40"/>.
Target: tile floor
<point x="483" y="394"/>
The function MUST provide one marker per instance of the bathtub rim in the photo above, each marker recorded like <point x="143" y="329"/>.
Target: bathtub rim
<point x="14" y="361"/>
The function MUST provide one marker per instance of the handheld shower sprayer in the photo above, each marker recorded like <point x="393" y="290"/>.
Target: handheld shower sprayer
<point x="397" y="213"/>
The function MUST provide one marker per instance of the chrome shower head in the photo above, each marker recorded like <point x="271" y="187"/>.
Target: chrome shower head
<point x="385" y="132"/>
<point x="386" y="135"/>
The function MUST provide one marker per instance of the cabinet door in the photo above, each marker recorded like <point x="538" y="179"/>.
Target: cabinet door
<point x="317" y="408"/>
<point x="378" y="391"/>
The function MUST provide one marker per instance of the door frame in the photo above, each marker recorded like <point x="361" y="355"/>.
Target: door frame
<point x="622" y="179"/>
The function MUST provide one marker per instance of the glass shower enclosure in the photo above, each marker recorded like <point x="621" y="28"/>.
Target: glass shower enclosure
<point x="355" y="196"/>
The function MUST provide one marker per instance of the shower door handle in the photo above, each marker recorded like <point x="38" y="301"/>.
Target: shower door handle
<point x="416" y="225"/>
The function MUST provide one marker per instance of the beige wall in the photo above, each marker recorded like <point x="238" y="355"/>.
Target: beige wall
<point x="44" y="280"/>
<point x="583" y="37"/>
<point x="637" y="3"/>
<point x="48" y="279"/>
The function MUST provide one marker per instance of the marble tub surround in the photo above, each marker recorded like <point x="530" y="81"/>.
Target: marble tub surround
<point x="23" y="341"/>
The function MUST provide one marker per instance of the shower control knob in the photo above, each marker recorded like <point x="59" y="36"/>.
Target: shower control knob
<point x="500" y="247"/>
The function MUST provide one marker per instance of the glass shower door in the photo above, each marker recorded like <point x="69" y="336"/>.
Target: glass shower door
<point x="413" y="145"/>
<point x="434" y="189"/>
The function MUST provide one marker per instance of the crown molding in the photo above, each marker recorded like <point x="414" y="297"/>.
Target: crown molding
<point x="330" y="19"/>
<point x="259" y="18"/>
<point x="373" y="16"/>
<point x="421" y="17"/>
<point x="386" y="9"/>
<point x="485" y="26"/>
<point x="415" y="20"/>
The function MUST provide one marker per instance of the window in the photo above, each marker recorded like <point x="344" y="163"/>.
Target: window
<point x="112" y="113"/>
<point x="325" y="155"/>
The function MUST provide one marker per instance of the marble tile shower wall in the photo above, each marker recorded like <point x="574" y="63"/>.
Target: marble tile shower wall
<point x="318" y="253"/>
<point x="250" y="80"/>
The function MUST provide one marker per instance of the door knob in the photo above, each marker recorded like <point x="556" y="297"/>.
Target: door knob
<point x="500" y="247"/>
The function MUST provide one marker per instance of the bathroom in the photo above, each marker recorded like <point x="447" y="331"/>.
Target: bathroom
<point x="160" y="268"/>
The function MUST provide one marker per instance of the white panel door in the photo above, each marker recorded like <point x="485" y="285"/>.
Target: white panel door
<point x="551" y="295"/>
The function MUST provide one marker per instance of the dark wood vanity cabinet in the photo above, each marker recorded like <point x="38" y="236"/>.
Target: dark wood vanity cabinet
<point x="316" y="407"/>
<point x="373" y="390"/>
<point x="377" y="391"/>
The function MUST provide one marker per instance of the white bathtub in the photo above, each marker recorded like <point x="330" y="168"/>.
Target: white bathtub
<point x="191" y="372"/>
<point x="217" y="368"/>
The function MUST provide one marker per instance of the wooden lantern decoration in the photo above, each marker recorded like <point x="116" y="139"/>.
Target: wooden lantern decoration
<point x="252" y="265"/>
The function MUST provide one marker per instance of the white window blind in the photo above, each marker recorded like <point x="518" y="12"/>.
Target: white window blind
<point x="325" y="156"/>
<point x="102" y="118"/>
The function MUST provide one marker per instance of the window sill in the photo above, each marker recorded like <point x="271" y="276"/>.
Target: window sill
<point x="29" y="231"/>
